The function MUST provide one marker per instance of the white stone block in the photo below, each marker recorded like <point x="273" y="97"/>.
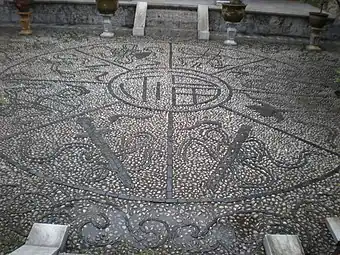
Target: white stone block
<point x="220" y="2"/>
<point x="71" y="254"/>
<point x="203" y="22"/>
<point x="282" y="245"/>
<point x="48" y="235"/>
<point x="203" y="35"/>
<point x="138" y="31"/>
<point x="35" y="250"/>
<point x="107" y="35"/>
<point x="47" y="239"/>
<point x="333" y="225"/>
<point x="231" y="35"/>
<point x="140" y="18"/>
<point x="107" y="27"/>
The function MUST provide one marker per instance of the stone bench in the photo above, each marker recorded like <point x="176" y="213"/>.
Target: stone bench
<point x="333" y="224"/>
<point x="44" y="239"/>
<point x="282" y="245"/>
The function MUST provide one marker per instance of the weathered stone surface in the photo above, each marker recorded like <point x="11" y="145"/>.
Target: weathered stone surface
<point x="292" y="8"/>
<point x="70" y="254"/>
<point x="44" y="239"/>
<point x="262" y="18"/>
<point x="282" y="245"/>
<point x="35" y="250"/>
<point x="50" y="235"/>
<point x="333" y="8"/>
<point x="172" y="19"/>
<point x="140" y="17"/>
<point x="166" y="146"/>
<point x="333" y="224"/>
<point x="203" y="22"/>
<point x="68" y="14"/>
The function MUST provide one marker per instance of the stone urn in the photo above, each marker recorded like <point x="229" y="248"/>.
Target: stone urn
<point x="318" y="19"/>
<point x="107" y="9"/>
<point x="24" y="7"/>
<point x="233" y="11"/>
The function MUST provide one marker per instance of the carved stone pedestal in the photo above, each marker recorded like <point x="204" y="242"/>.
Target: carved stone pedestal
<point x="107" y="26"/>
<point x="231" y="35"/>
<point x="25" y="21"/>
<point x="314" y="41"/>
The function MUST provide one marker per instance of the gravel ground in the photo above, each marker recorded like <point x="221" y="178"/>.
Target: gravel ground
<point x="151" y="146"/>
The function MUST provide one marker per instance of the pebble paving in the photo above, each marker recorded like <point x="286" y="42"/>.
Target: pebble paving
<point x="166" y="146"/>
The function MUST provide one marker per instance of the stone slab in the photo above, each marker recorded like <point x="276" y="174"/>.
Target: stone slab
<point x="35" y="250"/>
<point x="70" y="254"/>
<point x="333" y="224"/>
<point x="282" y="245"/>
<point x="140" y="17"/>
<point x="203" y="22"/>
<point x="48" y="235"/>
<point x="203" y="35"/>
<point x="277" y="7"/>
<point x="168" y="19"/>
<point x="280" y="7"/>
<point x="44" y="239"/>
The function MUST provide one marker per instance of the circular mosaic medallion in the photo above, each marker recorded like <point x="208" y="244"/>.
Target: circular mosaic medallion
<point x="173" y="90"/>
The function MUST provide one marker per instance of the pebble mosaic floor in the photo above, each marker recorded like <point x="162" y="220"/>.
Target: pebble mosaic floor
<point x="167" y="147"/>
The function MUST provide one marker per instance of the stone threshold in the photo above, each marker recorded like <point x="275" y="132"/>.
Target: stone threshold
<point x="266" y="7"/>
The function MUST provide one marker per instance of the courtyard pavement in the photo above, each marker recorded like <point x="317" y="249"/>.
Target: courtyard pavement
<point x="167" y="147"/>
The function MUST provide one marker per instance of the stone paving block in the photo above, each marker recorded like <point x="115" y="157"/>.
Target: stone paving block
<point x="282" y="245"/>
<point x="70" y="254"/>
<point x="49" y="235"/>
<point x="333" y="224"/>
<point x="140" y="17"/>
<point x="35" y="250"/>
<point x="203" y="22"/>
<point x="45" y="239"/>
